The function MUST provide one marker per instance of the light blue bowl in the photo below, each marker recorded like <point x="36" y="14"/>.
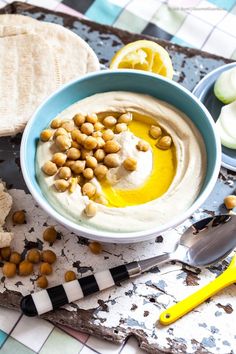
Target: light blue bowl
<point x="120" y="80"/>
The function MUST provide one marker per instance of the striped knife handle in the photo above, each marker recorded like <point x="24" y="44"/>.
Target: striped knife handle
<point x="52" y="298"/>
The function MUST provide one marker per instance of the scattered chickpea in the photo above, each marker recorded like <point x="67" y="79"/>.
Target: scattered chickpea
<point x="120" y="127"/>
<point x="88" y="173"/>
<point x="42" y="282"/>
<point x="100" y="142"/>
<point x="50" y="234"/>
<point x="91" y="161"/>
<point x="89" y="189"/>
<point x="100" y="199"/>
<point x="90" y="210"/>
<point x="78" y="167"/>
<point x="80" y="138"/>
<point x="69" y="163"/>
<point x="100" y="172"/>
<point x="68" y="125"/>
<point x="63" y="142"/>
<point x="69" y="275"/>
<point x="108" y="135"/>
<point x="85" y="153"/>
<point x="49" y="168"/>
<point x="73" y="154"/>
<point x="33" y="256"/>
<point x="95" y="247"/>
<point x="112" y="160"/>
<point x="92" y="118"/>
<point x="9" y="269"/>
<point x="25" y="268"/>
<point x="125" y="118"/>
<point x="56" y="123"/>
<point x="230" y="201"/>
<point x="59" y="158"/>
<point x="18" y="217"/>
<point x="97" y="134"/>
<point x="155" y="131"/>
<point x="6" y="253"/>
<point x="60" y="131"/>
<point x="87" y="128"/>
<point x="64" y="172"/>
<point x="61" y="185"/>
<point x="109" y="121"/>
<point x="15" y="258"/>
<point x="45" y="268"/>
<point x="111" y="146"/>
<point x="48" y="256"/>
<point x="130" y="164"/>
<point x="99" y="155"/>
<point x="164" y="143"/>
<point x="142" y="145"/>
<point x="90" y="143"/>
<point x="46" y="134"/>
<point x="74" y="144"/>
<point x="73" y="184"/>
<point x="98" y="126"/>
<point x="79" y="119"/>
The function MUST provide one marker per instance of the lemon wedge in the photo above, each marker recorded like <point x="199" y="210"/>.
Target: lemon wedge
<point x="144" y="55"/>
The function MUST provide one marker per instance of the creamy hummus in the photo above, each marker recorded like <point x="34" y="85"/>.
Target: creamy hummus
<point x="185" y="187"/>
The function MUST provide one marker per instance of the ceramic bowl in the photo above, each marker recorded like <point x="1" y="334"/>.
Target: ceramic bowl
<point x="124" y="80"/>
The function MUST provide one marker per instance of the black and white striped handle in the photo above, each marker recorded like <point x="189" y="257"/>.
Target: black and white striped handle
<point x="52" y="298"/>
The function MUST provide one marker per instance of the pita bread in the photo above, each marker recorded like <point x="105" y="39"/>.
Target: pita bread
<point x="5" y="207"/>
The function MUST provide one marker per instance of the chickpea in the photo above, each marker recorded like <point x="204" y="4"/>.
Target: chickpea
<point x="49" y="168"/>
<point x="75" y="133"/>
<point x="100" y="142"/>
<point x="90" y="143"/>
<point x="100" y="172"/>
<point x="85" y="153"/>
<point x="69" y="275"/>
<point x="91" y="161"/>
<point x="50" y="234"/>
<point x="60" y="131"/>
<point x="25" y="268"/>
<point x="100" y="199"/>
<point x="9" y="269"/>
<point x="89" y="189"/>
<point x="97" y="134"/>
<point x="49" y="256"/>
<point x="109" y="121"/>
<point x="130" y="164"/>
<point x="5" y="253"/>
<point x="230" y="201"/>
<point x="120" y="127"/>
<point x="68" y="125"/>
<point x="90" y="210"/>
<point x="56" y="123"/>
<point x="78" y="167"/>
<point x="92" y="118"/>
<point x="45" y="268"/>
<point x="73" y="154"/>
<point x="61" y="185"/>
<point x="18" y="217"/>
<point x="98" y="126"/>
<point x="79" y="119"/>
<point x="15" y="258"/>
<point x="74" y="144"/>
<point x="33" y="256"/>
<point x="99" y="155"/>
<point x="111" y="146"/>
<point x="108" y="135"/>
<point x="125" y="118"/>
<point x="64" y="172"/>
<point x="95" y="247"/>
<point x="155" y="131"/>
<point x="42" y="282"/>
<point x="69" y="163"/>
<point x="80" y="138"/>
<point x="112" y="160"/>
<point x="63" y="142"/>
<point x="87" y="128"/>
<point x="88" y="173"/>
<point x="142" y="145"/>
<point x="164" y="143"/>
<point x="80" y="180"/>
<point x="59" y="158"/>
<point x="46" y="134"/>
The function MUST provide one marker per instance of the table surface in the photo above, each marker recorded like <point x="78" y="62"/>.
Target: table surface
<point x="24" y="335"/>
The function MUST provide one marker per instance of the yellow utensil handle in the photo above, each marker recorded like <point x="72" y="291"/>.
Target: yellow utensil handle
<point x="181" y="308"/>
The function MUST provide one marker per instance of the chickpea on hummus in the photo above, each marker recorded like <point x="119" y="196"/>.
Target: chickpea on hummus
<point x="121" y="161"/>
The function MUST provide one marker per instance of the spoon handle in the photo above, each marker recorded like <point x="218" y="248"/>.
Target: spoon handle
<point x="181" y="308"/>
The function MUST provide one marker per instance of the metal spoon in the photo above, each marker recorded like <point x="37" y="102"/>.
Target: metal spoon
<point x="204" y="243"/>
